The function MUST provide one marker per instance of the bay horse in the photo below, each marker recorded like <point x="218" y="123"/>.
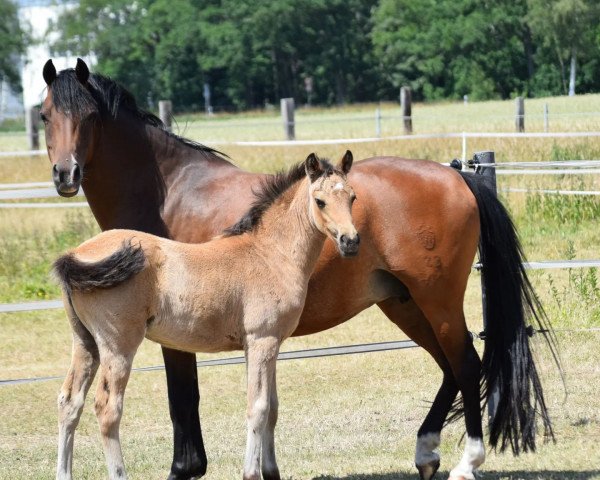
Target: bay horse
<point x="244" y="290"/>
<point x="421" y="224"/>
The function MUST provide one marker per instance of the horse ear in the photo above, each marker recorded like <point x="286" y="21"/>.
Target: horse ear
<point x="49" y="72"/>
<point x="346" y="162"/>
<point x="313" y="167"/>
<point x="82" y="72"/>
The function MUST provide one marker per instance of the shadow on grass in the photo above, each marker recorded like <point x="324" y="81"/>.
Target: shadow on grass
<point x="484" y="475"/>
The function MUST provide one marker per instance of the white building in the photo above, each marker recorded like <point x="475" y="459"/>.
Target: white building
<point x="37" y="15"/>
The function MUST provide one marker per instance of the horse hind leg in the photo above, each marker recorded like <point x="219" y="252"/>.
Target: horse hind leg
<point x="451" y="332"/>
<point x="84" y="363"/>
<point x="411" y="320"/>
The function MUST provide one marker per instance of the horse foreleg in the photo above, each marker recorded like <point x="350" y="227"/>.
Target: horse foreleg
<point x="189" y="456"/>
<point x="261" y="355"/>
<point x="269" y="468"/>
<point x="84" y="363"/>
<point x="114" y="374"/>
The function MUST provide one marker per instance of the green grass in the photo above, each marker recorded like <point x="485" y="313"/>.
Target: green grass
<point x="352" y="417"/>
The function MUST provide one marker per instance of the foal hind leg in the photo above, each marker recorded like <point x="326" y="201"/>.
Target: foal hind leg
<point x="84" y="363"/>
<point x="115" y="368"/>
<point x="450" y="329"/>
<point x="261" y="355"/>
<point x="410" y="319"/>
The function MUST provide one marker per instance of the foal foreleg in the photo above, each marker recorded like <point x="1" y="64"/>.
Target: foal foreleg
<point x="114" y="374"/>
<point x="261" y="355"/>
<point x="269" y="468"/>
<point x="84" y="363"/>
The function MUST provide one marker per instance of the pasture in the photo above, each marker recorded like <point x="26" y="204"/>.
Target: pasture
<point x="344" y="418"/>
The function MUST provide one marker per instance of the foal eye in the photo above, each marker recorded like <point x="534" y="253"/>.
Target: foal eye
<point x="320" y="203"/>
<point x="44" y="118"/>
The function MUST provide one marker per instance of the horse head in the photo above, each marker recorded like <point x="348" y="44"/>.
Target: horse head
<point x="69" y="113"/>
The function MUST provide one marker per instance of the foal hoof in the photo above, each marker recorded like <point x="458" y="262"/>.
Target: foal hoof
<point x="427" y="471"/>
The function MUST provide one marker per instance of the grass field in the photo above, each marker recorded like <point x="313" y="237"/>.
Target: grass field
<point x="344" y="418"/>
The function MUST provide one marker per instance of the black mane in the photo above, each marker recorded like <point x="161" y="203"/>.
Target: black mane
<point x="271" y="189"/>
<point x="105" y="97"/>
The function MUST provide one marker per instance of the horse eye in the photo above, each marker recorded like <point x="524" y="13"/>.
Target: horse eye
<point x="320" y="203"/>
<point x="353" y="199"/>
<point x="44" y="118"/>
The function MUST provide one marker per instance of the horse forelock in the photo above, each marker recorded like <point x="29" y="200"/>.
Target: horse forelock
<point x="271" y="189"/>
<point x="104" y="96"/>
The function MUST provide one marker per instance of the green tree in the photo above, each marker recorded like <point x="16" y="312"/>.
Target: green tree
<point x="569" y="28"/>
<point x="13" y="42"/>
<point x="152" y="47"/>
<point x="450" y="48"/>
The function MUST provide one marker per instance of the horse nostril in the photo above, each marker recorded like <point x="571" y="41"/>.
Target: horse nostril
<point x="55" y="174"/>
<point x="343" y="239"/>
<point x="357" y="239"/>
<point x="76" y="174"/>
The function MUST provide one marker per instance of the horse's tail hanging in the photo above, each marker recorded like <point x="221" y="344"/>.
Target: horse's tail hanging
<point x="511" y="304"/>
<point x="108" y="272"/>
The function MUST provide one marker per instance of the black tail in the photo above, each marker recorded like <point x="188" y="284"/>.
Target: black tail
<point x="108" y="272"/>
<point x="511" y="305"/>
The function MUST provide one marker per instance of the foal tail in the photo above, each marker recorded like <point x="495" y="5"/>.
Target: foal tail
<point x="108" y="272"/>
<point x="511" y="306"/>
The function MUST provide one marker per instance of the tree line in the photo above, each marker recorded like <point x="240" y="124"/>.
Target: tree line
<point x="253" y="52"/>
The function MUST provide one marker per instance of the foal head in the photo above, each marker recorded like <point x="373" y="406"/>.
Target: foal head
<point x="331" y="200"/>
<point x="69" y="113"/>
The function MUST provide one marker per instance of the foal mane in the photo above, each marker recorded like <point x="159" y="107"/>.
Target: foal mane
<point x="105" y="97"/>
<point x="271" y="189"/>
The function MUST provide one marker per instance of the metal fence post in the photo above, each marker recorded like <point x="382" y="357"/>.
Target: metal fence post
<point x="489" y="173"/>
<point x="32" y="121"/>
<point x="378" y="122"/>
<point x="405" y="106"/>
<point x="165" y="112"/>
<point x="519" y="115"/>
<point x="287" y="115"/>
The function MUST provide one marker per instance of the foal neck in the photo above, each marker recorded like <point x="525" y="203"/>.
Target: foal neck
<point x="286" y="229"/>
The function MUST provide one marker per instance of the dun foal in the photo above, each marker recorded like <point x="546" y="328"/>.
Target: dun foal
<point x="245" y="290"/>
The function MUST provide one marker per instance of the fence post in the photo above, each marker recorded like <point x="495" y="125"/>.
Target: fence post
<point x="165" y="112"/>
<point x="546" y="120"/>
<point x="287" y="115"/>
<point x="378" y="122"/>
<point x="489" y="174"/>
<point x="520" y="115"/>
<point x="32" y="121"/>
<point x="405" y="106"/>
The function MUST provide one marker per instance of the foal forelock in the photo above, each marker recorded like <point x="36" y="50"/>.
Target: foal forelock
<point x="271" y="189"/>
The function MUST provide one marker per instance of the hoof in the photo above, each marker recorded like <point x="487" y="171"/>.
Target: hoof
<point x="427" y="472"/>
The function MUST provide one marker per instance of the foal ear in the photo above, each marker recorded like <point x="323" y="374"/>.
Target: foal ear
<point x="313" y="168"/>
<point x="346" y="162"/>
<point x="82" y="72"/>
<point x="49" y="72"/>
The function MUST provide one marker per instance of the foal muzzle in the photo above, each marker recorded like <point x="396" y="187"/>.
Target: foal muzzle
<point x="349" y="245"/>
<point x="67" y="179"/>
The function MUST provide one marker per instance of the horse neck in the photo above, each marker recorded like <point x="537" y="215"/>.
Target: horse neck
<point x="287" y="230"/>
<point x="131" y="169"/>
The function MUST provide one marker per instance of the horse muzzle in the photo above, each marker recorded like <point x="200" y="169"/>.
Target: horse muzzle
<point x="348" y="246"/>
<point x="67" y="180"/>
